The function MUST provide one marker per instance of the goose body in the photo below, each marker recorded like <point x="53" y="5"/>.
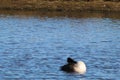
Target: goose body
<point x="74" y="66"/>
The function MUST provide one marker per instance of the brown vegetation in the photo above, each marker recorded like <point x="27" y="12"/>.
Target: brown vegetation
<point x="61" y="5"/>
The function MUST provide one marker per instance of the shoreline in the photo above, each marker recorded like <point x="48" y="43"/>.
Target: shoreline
<point x="55" y="14"/>
<point x="60" y="5"/>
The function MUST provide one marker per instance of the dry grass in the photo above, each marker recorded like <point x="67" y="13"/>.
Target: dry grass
<point x="61" y="5"/>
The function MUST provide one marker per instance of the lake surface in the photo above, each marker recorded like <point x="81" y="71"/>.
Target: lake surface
<point x="33" y="45"/>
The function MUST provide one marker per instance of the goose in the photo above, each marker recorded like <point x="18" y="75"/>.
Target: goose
<point x="74" y="66"/>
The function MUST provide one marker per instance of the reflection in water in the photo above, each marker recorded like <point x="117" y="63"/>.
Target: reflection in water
<point x="34" y="46"/>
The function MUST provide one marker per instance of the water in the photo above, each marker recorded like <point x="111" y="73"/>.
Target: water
<point x="33" y="47"/>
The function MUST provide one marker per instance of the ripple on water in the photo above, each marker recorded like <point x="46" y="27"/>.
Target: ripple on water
<point x="35" y="48"/>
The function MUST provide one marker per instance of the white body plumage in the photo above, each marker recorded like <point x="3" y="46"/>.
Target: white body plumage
<point x="80" y="67"/>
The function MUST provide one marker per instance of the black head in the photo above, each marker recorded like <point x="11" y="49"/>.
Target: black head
<point x="71" y="61"/>
<point x="69" y="67"/>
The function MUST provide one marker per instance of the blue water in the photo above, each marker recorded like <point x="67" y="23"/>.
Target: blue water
<point x="34" y="48"/>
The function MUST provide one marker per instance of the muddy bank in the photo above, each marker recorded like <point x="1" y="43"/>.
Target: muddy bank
<point x="55" y="5"/>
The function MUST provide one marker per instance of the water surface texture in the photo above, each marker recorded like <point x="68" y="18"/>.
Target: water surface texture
<point x="34" y="47"/>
